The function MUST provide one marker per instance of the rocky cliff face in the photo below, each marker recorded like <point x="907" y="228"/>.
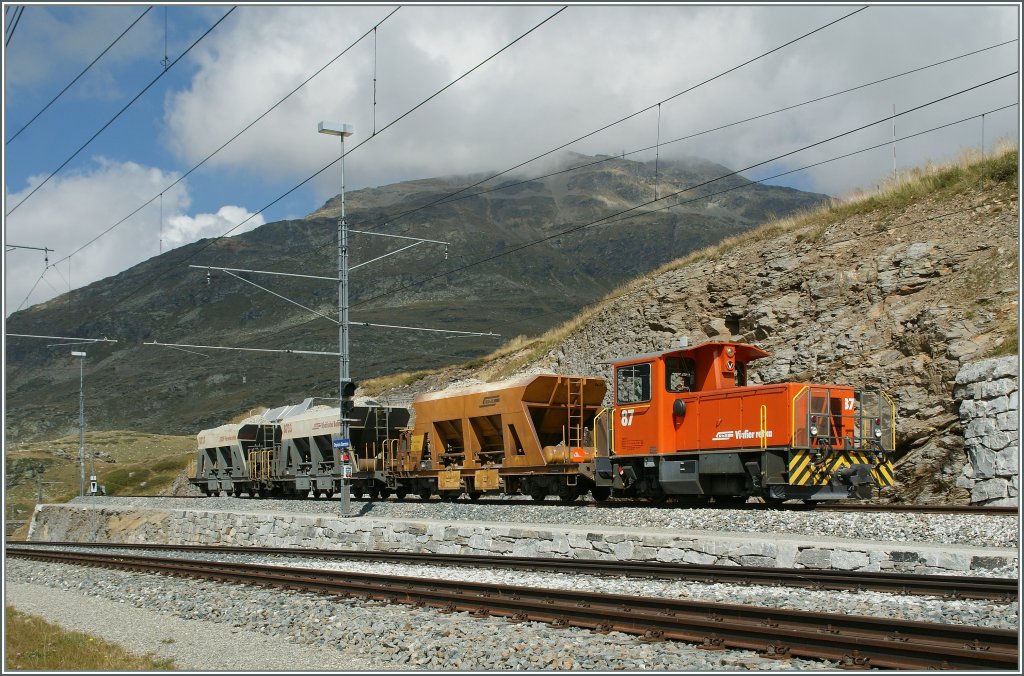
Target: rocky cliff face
<point x="891" y="295"/>
<point x="897" y="290"/>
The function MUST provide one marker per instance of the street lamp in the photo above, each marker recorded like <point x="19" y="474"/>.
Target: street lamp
<point x="345" y="388"/>
<point x="81" y="421"/>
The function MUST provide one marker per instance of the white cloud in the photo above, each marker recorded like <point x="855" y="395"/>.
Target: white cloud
<point x="182" y="229"/>
<point x="584" y="69"/>
<point x="54" y="44"/>
<point x="72" y="209"/>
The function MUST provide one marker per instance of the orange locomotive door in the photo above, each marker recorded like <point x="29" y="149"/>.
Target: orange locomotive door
<point x="636" y="419"/>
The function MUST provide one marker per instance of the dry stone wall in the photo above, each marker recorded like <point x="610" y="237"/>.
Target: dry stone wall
<point x="987" y="392"/>
<point x="76" y="523"/>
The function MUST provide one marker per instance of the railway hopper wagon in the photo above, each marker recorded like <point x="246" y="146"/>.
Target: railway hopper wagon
<point x="290" y="451"/>
<point x="222" y="459"/>
<point x="685" y="424"/>
<point x="532" y="435"/>
<point x="374" y="431"/>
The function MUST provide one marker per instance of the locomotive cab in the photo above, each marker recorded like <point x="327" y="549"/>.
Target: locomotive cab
<point x="686" y="423"/>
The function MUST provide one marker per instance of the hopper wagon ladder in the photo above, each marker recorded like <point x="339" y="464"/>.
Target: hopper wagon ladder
<point x="574" y="404"/>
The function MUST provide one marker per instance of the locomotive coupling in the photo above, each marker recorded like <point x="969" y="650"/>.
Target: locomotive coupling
<point x="855" y="475"/>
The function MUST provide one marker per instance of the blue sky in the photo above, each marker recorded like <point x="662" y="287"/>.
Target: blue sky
<point x="588" y="66"/>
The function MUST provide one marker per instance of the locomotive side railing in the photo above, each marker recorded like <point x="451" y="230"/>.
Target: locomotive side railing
<point x="825" y="417"/>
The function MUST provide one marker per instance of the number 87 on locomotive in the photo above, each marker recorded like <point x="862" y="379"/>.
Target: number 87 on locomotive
<point x="685" y="424"/>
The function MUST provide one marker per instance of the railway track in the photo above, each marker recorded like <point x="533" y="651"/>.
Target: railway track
<point x="621" y="504"/>
<point x="852" y="641"/>
<point x="944" y="586"/>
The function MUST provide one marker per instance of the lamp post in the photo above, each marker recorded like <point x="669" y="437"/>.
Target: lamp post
<point x="81" y="421"/>
<point x="344" y="380"/>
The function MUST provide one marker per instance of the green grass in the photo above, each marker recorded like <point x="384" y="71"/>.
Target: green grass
<point x="143" y="464"/>
<point x="32" y="644"/>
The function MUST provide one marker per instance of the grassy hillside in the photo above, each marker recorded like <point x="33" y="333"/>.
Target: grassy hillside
<point x="133" y="463"/>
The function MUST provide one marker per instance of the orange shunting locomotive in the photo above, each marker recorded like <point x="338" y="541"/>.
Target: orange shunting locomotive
<point x="685" y="423"/>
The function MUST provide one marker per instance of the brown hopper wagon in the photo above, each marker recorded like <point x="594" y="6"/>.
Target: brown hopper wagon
<point x="533" y="435"/>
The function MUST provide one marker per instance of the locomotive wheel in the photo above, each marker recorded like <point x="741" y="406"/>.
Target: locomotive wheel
<point x="475" y="495"/>
<point x="730" y="499"/>
<point x="424" y="494"/>
<point x="601" y="493"/>
<point x="450" y="496"/>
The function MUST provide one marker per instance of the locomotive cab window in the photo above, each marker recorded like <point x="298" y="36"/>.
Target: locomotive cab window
<point x="633" y="384"/>
<point x="680" y="374"/>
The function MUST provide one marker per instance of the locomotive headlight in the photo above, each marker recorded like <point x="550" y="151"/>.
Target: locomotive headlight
<point x="814" y="430"/>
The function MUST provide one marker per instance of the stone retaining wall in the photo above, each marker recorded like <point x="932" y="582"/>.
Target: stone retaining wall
<point x="106" y="524"/>
<point x="987" y="392"/>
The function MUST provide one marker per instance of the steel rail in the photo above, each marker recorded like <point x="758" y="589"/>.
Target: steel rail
<point x="945" y="586"/>
<point x="854" y="641"/>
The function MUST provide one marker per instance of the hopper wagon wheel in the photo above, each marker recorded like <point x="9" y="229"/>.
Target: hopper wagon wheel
<point x="384" y="493"/>
<point x="317" y="494"/>
<point x="425" y="493"/>
<point x="538" y="494"/>
<point x="330" y="493"/>
<point x="401" y="492"/>
<point x="357" y="492"/>
<point x="475" y="495"/>
<point x="567" y="493"/>
<point x="237" y="493"/>
<point x="601" y="493"/>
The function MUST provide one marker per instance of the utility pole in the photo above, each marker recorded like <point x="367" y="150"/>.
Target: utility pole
<point x="81" y="421"/>
<point x="346" y="388"/>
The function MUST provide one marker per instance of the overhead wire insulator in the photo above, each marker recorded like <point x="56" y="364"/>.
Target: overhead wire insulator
<point x="446" y="252"/>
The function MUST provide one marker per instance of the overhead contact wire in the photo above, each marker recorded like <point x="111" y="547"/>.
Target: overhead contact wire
<point x="639" y="112"/>
<point x="77" y="77"/>
<point x="348" y="152"/>
<point x="506" y="186"/>
<point x="120" y="112"/>
<point x="229" y="141"/>
<point x="693" y="187"/>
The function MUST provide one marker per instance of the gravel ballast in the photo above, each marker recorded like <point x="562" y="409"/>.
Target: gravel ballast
<point x="359" y="635"/>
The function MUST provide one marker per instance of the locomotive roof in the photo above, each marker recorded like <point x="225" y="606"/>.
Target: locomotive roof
<point x="741" y="348"/>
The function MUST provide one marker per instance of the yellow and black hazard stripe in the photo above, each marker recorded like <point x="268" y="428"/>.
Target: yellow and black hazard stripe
<point x="815" y="469"/>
